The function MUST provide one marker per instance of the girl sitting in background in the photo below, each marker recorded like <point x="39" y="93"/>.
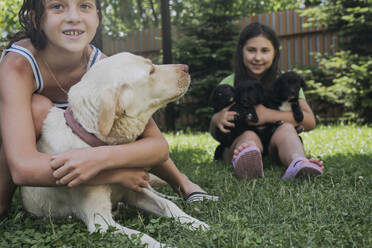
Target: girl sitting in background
<point x="257" y="57"/>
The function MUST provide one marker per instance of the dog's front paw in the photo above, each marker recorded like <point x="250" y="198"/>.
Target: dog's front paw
<point x="193" y="224"/>
<point x="199" y="224"/>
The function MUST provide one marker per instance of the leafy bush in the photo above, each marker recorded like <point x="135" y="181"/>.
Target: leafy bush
<point x="206" y="44"/>
<point x="342" y="80"/>
<point x="8" y="19"/>
<point x="351" y="19"/>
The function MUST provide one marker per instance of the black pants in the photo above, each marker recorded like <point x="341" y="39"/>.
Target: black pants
<point x="264" y="132"/>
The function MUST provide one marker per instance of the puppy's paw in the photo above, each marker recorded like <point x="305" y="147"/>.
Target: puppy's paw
<point x="299" y="116"/>
<point x="252" y="117"/>
<point x="299" y="129"/>
<point x="297" y="113"/>
<point x="249" y="117"/>
<point x="236" y="117"/>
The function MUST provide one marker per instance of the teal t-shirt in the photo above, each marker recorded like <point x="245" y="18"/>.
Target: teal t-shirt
<point x="230" y="81"/>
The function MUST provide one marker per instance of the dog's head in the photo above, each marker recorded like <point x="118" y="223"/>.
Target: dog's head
<point x="249" y="93"/>
<point x="288" y="85"/>
<point x="221" y="97"/>
<point x="125" y="89"/>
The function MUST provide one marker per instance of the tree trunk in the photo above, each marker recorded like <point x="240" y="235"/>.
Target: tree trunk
<point x="167" y="59"/>
<point x="156" y="22"/>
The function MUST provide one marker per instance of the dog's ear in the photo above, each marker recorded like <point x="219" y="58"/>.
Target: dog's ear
<point x="107" y="111"/>
<point x="113" y="103"/>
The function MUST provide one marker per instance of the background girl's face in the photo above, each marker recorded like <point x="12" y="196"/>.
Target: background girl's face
<point x="258" y="55"/>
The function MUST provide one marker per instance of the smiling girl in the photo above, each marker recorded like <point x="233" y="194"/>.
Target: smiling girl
<point x="257" y="57"/>
<point x="41" y="63"/>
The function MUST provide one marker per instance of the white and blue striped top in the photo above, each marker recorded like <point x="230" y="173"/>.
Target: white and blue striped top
<point x="94" y="57"/>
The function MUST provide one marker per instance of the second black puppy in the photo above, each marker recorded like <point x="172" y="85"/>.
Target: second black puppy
<point x="284" y="95"/>
<point x="245" y="96"/>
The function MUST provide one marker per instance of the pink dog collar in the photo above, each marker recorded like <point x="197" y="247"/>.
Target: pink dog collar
<point x="80" y="131"/>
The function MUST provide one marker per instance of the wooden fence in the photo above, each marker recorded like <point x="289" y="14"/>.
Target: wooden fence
<point x="298" y="44"/>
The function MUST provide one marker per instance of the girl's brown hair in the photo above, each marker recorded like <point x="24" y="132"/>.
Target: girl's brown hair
<point x="30" y="16"/>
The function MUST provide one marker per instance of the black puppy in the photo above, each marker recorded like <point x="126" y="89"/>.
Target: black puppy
<point x="245" y="96"/>
<point x="284" y="95"/>
<point x="222" y="96"/>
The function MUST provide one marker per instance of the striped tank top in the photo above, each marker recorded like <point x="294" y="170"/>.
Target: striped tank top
<point x="94" y="57"/>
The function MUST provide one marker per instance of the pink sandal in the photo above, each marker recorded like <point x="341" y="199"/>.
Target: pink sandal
<point x="248" y="163"/>
<point x="302" y="167"/>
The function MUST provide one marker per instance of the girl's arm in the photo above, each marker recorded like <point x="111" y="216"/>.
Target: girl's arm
<point x="267" y="115"/>
<point x="28" y="166"/>
<point x="79" y="165"/>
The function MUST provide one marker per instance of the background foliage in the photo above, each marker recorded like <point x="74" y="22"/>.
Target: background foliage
<point x="208" y="44"/>
<point x="122" y="16"/>
<point x="8" y="18"/>
<point x="344" y="79"/>
<point x="351" y="19"/>
<point x="207" y="41"/>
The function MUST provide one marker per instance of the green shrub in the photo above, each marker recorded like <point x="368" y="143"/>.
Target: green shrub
<point x="343" y="79"/>
<point x="8" y="19"/>
<point x="351" y="19"/>
<point x="206" y="44"/>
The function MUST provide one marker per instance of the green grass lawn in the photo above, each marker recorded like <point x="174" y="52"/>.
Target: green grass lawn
<point x="334" y="210"/>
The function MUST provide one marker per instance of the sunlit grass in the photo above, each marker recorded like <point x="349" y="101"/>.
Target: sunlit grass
<point x="333" y="210"/>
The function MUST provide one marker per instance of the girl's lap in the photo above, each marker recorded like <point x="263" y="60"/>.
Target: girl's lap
<point x="284" y="135"/>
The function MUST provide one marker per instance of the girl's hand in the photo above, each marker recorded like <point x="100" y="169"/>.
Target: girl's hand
<point x="225" y="118"/>
<point x="134" y="178"/>
<point x="76" y="166"/>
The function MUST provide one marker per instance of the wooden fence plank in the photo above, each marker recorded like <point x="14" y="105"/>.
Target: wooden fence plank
<point x="291" y="22"/>
<point x="313" y="49"/>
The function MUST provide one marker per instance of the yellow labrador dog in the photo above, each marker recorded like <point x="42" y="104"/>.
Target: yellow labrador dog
<point x="113" y="101"/>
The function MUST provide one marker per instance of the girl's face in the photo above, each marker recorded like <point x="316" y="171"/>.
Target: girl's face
<point x="70" y="24"/>
<point x="258" y="55"/>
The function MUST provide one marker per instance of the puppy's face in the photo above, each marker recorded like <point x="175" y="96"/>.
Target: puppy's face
<point x="249" y="93"/>
<point x="288" y="85"/>
<point x="221" y="97"/>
